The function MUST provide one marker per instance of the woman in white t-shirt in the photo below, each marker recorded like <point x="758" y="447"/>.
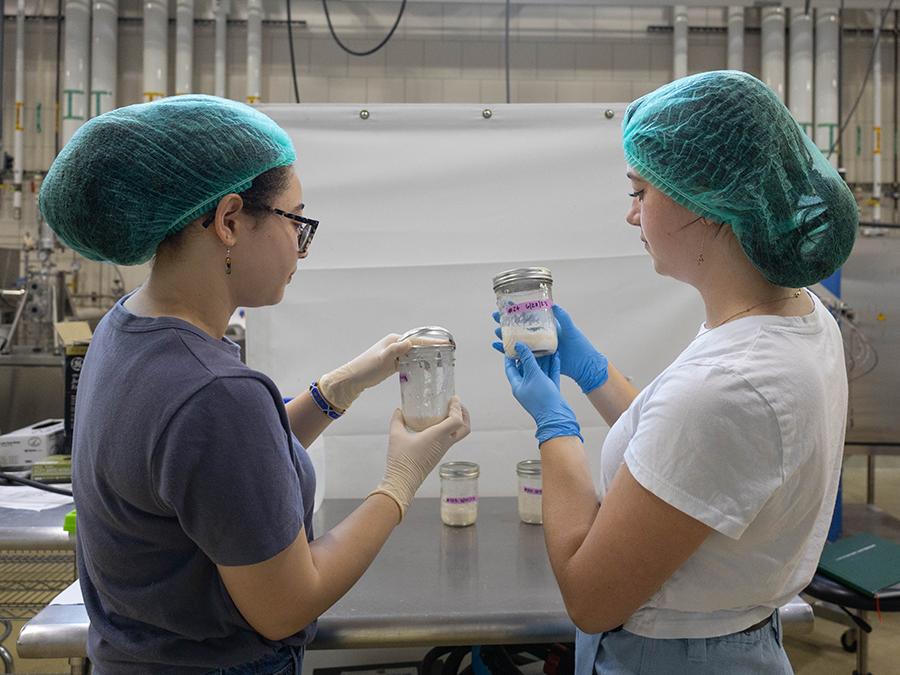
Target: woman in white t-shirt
<point x="719" y="477"/>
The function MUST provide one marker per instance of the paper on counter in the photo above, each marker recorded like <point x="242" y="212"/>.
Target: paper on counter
<point x="32" y="499"/>
<point x="70" y="596"/>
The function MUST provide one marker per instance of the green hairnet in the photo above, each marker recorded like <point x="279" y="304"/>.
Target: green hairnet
<point x="133" y="176"/>
<point x="722" y="145"/>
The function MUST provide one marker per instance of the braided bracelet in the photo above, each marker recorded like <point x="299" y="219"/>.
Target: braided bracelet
<point x="323" y="404"/>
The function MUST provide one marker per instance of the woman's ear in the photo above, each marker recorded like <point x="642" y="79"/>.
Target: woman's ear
<point x="225" y="224"/>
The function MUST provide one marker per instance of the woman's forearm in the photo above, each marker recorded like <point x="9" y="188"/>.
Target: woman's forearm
<point x="306" y="418"/>
<point x="614" y="396"/>
<point x="569" y="501"/>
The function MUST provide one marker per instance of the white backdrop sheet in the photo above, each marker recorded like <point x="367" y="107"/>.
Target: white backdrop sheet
<point x="421" y="205"/>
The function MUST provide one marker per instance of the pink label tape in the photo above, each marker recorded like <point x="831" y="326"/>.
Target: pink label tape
<point x="460" y="500"/>
<point x="530" y="306"/>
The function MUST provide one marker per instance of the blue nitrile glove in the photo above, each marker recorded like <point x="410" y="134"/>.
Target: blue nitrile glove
<point x="578" y="358"/>
<point x="536" y="388"/>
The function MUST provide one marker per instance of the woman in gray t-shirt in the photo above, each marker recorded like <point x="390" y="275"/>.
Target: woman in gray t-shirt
<point x="193" y="488"/>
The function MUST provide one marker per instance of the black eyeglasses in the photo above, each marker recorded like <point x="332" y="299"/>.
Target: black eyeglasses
<point x="306" y="227"/>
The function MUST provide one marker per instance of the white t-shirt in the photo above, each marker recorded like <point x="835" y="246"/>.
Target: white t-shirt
<point x="744" y="431"/>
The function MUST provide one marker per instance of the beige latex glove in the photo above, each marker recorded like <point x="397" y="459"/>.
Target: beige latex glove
<point x="412" y="456"/>
<point x="341" y="386"/>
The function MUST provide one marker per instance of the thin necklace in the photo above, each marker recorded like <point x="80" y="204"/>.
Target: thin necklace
<point x="792" y="296"/>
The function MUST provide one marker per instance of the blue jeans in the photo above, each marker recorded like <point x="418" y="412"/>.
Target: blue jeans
<point x="285" y="661"/>
<point x="744" y="653"/>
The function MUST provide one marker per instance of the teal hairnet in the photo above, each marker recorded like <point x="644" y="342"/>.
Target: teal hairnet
<point x="131" y="177"/>
<point x="722" y="145"/>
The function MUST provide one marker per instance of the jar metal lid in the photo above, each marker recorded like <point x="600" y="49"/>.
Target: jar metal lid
<point x="529" y="467"/>
<point x="429" y="336"/>
<point x="522" y="274"/>
<point x="459" y="470"/>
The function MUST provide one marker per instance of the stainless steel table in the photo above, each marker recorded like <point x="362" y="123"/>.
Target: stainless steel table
<point x="431" y="585"/>
<point x="37" y="560"/>
<point x="21" y="529"/>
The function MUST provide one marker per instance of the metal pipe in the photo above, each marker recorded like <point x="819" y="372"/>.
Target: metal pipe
<point x="773" y="49"/>
<point x="800" y="90"/>
<point x="894" y="186"/>
<point x="77" y="61"/>
<point x="826" y="77"/>
<point x="156" y="40"/>
<point x="19" y="134"/>
<point x="7" y="344"/>
<point x="254" y="49"/>
<point x="104" y="56"/>
<point x="876" y="121"/>
<point x="184" y="46"/>
<point x="2" y="74"/>
<point x="680" y="41"/>
<point x="221" y="11"/>
<point x="735" y="38"/>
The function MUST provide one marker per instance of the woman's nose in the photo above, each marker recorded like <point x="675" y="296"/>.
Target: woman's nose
<point x="633" y="216"/>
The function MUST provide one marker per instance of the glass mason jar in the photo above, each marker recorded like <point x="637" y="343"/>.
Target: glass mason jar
<point x="530" y="491"/>
<point x="426" y="376"/>
<point x="525" y="301"/>
<point x="459" y="493"/>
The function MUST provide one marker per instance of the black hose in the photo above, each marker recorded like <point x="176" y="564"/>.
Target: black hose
<point x="35" y="484"/>
<point x="291" y="47"/>
<point x="368" y="51"/>
<point x="837" y="141"/>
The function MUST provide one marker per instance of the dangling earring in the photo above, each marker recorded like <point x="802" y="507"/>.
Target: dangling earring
<point x="700" y="258"/>
<point x="227" y="261"/>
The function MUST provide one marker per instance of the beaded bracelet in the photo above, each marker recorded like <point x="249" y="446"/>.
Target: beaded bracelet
<point x="323" y="404"/>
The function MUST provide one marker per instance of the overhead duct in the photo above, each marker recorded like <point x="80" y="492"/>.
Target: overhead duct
<point x="800" y="94"/>
<point x="680" y="41"/>
<point x="184" y="46"/>
<point x="19" y="133"/>
<point x="221" y="11"/>
<point x="773" y="49"/>
<point x="254" y="49"/>
<point x="104" y="56"/>
<point x="156" y="42"/>
<point x="876" y="123"/>
<point x="826" y="77"/>
<point x="75" y="83"/>
<point x="735" y="38"/>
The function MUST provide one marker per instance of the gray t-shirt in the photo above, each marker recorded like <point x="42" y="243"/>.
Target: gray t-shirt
<point x="183" y="458"/>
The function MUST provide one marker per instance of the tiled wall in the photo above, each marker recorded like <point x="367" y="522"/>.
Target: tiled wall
<point x="441" y="52"/>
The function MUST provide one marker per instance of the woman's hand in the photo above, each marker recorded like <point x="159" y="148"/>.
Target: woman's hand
<point x="412" y="456"/>
<point x="340" y="387"/>
<point x="578" y="358"/>
<point x="535" y="385"/>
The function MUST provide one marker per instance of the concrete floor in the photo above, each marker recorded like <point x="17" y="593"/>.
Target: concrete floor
<point x="818" y="653"/>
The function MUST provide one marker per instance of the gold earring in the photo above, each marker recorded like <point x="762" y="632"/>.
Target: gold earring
<point x="227" y="261"/>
